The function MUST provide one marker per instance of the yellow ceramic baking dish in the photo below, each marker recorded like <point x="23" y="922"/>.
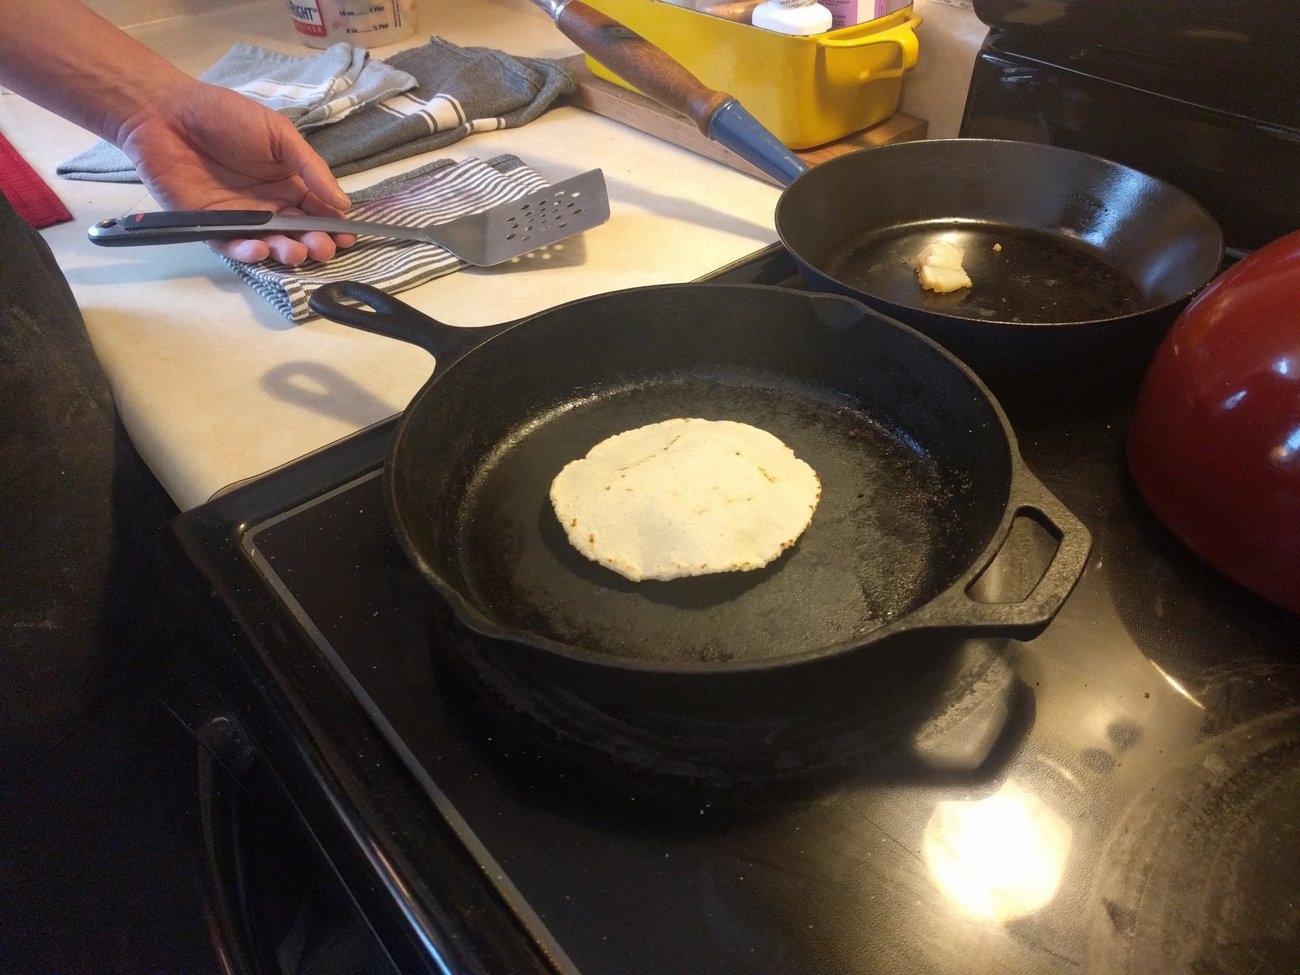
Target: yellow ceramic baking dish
<point x="807" y="90"/>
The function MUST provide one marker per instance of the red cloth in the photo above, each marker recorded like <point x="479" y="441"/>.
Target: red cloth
<point x="29" y="195"/>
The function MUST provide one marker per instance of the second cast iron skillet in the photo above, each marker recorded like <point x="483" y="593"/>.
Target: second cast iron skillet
<point x="1079" y="264"/>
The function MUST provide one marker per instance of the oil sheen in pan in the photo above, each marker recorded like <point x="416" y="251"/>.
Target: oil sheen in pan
<point x="1019" y="274"/>
<point x="876" y="544"/>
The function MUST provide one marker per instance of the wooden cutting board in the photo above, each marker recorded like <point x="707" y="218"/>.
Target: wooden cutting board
<point x="634" y="109"/>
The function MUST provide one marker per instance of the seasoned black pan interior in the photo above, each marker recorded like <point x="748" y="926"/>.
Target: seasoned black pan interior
<point x="1052" y="236"/>
<point x="1025" y="274"/>
<point x="915" y="465"/>
<point x="877" y="544"/>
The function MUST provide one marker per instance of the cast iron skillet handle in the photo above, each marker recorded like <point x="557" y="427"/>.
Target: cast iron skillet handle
<point x="1027" y="618"/>
<point x="365" y="307"/>
<point x="660" y="77"/>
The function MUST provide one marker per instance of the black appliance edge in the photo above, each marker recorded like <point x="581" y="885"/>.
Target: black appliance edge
<point x="302" y="719"/>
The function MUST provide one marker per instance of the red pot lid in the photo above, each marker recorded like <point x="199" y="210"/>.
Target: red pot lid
<point x="1215" y="442"/>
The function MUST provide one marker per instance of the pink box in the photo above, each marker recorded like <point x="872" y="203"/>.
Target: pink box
<point x="846" y="13"/>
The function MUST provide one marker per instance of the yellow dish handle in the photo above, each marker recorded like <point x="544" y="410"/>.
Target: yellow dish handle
<point x="903" y="35"/>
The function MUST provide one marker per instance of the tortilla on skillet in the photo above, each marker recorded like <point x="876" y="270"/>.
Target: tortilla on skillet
<point x="685" y="497"/>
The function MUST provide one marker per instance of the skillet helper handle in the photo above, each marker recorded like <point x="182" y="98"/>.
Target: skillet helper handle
<point x="660" y="77"/>
<point x="902" y="36"/>
<point x="1028" y="617"/>
<point x="366" y="307"/>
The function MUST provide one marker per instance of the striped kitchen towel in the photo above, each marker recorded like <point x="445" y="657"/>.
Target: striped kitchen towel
<point x="315" y="91"/>
<point x="424" y="197"/>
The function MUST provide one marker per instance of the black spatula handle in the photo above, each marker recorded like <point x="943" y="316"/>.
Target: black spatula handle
<point x="177" y="226"/>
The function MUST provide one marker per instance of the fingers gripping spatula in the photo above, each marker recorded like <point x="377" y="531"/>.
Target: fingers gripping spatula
<point x="493" y="236"/>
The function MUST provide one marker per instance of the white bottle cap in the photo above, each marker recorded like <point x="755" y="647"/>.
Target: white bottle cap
<point x="792" y="17"/>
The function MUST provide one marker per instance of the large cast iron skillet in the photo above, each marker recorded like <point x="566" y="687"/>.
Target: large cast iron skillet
<point x="921" y="483"/>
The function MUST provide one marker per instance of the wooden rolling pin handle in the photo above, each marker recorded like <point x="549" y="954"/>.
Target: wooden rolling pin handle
<point x="639" y="63"/>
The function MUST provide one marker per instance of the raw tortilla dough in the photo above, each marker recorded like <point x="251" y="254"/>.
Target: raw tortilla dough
<point x="939" y="267"/>
<point x="685" y="497"/>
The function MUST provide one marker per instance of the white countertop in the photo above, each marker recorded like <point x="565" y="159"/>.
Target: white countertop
<point x="215" y="387"/>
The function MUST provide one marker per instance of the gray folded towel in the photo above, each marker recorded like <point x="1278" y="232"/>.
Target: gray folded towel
<point x="359" y="113"/>
<point x="461" y="90"/>
<point x="433" y="194"/>
<point x="313" y="90"/>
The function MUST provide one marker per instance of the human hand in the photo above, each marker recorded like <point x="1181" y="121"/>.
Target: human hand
<point x="207" y="148"/>
<point x="195" y="146"/>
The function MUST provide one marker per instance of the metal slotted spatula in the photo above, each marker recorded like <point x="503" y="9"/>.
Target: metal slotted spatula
<point x="491" y="237"/>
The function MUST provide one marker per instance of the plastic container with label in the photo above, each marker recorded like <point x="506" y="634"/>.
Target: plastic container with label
<point x="364" y="23"/>
<point x="799" y="17"/>
<point x="807" y="91"/>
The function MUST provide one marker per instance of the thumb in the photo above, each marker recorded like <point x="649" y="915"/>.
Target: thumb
<point x="314" y="171"/>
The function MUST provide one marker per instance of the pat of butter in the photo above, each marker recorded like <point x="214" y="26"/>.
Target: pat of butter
<point x="939" y="267"/>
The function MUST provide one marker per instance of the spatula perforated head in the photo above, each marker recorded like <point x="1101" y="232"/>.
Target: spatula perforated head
<point x="523" y="225"/>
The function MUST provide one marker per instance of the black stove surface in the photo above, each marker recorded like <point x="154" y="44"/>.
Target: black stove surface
<point x="1120" y="794"/>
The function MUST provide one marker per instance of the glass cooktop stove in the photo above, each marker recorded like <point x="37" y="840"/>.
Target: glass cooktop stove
<point x="1120" y="794"/>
